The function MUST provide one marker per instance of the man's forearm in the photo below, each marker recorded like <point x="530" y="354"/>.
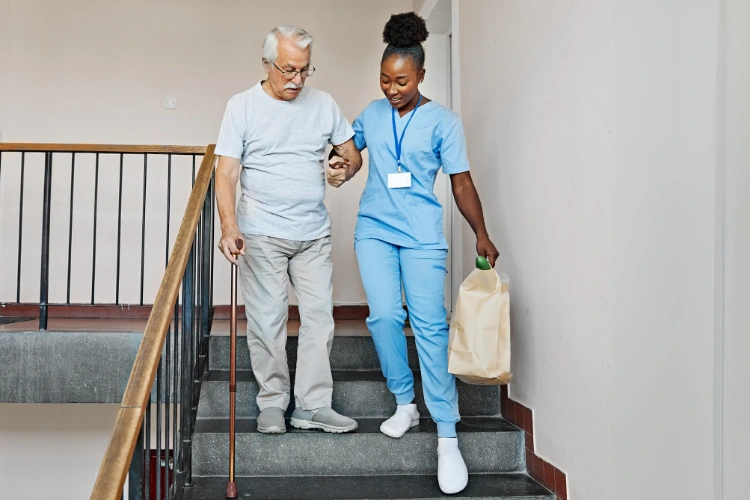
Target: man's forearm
<point x="227" y="174"/>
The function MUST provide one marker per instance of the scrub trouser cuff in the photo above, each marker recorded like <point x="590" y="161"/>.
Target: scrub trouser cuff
<point x="446" y="429"/>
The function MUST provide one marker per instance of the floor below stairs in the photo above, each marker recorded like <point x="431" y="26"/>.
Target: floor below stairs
<point x="364" y="464"/>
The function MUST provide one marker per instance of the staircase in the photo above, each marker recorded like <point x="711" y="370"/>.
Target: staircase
<point x="364" y="464"/>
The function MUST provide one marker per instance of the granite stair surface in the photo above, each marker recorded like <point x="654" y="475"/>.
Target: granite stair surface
<point x="364" y="464"/>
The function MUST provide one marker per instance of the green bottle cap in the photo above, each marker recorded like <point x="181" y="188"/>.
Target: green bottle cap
<point x="483" y="263"/>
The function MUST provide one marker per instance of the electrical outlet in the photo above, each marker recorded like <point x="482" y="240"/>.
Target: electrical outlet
<point x="170" y="103"/>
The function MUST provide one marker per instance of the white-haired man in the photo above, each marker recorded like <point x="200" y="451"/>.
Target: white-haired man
<point x="273" y="137"/>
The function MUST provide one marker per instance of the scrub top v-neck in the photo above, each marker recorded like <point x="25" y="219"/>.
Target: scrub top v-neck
<point x="410" y="217"/>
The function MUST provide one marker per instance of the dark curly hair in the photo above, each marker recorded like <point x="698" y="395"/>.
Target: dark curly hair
<point x="404" y="34"/>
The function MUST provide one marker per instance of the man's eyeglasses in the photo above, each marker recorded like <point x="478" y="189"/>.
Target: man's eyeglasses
<point x="291" y="75"/>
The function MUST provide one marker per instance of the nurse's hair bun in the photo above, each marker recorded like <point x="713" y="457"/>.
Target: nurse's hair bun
<point x="405" y="30"/>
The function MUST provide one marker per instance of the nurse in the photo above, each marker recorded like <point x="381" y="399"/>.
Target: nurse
<point x="399" y="235"/>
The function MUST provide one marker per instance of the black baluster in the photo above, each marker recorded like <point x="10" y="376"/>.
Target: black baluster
<point x="135" y="473"/>
<point x="70" y="222"/>
<point x="159" y="380"/>
<point x="20" y="229"/>
<point x="96" y="200"/>
<point x="212" y="214"/>
<point x="169" y="196"/>
<point x="147" y="419"/>
<point x="168" y="394"/>
<point x="188" y="332"/>
<point x="119" y="234"/>
<point x="143" y="222"/>
<point x="44" y="278"/>
<point x="174" y="394"/>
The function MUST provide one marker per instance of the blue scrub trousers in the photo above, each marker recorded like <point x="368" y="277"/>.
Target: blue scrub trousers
<point x="383" y="268"/>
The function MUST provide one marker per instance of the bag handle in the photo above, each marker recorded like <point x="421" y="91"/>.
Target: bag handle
<point x="482" y="263"/>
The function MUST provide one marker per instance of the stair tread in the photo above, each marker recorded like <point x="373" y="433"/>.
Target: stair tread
<point x="356" y="393"/>
<point x="366" y="425"/>
<point x="513" y="486"/>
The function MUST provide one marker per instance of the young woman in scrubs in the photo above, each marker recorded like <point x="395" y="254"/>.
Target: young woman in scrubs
<point x="399" y="235"/>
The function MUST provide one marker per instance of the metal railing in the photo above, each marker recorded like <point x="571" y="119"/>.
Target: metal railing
<point x="53" y="154"/>
<point x="161" y="397"/>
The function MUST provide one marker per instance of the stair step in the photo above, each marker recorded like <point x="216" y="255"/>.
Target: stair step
<point x="415" y="487"/>
<point x="347" y="353"/>
<point x="489" y="445"/>
<point x="355" y="394"/>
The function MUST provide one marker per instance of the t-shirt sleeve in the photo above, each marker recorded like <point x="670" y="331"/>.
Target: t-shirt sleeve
<point x="453" y="149"/>
<point x="359" y="131"/>
<point x="231" y="133"/>
<point x="342" y="131"/>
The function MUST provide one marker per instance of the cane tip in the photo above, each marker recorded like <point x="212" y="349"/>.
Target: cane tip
<point x="232" y="489"/>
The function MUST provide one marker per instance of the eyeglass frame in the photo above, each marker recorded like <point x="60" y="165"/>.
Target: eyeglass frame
<point x="310" y="71"/>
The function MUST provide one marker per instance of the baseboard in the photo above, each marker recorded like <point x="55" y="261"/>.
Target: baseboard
<point x="522" y="417"/>
<point x="125" y="311"/>
<point x="341" y="313"/>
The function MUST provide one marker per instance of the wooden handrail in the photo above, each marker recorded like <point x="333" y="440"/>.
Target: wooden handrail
<point x="22" y="147"/>
<point x="114" y="468"/>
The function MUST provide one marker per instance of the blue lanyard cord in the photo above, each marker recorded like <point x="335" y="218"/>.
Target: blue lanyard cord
<point x="395" y="134"/>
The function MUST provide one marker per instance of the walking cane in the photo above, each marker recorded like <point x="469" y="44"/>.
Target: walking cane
<point x="232" y="485"/>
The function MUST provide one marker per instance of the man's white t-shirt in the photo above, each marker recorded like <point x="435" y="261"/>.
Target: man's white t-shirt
<point x="281" y="146"/>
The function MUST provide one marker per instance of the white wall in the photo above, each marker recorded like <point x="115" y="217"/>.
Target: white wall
<point x="98" y="72"/>
<point x="52" y="449"/>
<point x="665" y="161"/>
<point x="735" y="437"/>
<point x="608" y="143"/>
<point x="535" y="100"/>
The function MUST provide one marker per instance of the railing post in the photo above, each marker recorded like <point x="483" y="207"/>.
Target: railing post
<point x="135" y="474"/>
<point x="44" y="279"/>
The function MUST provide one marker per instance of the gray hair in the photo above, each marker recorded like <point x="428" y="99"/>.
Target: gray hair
<point x="271" y="43"/>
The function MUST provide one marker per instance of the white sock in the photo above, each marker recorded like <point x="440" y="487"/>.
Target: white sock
<point x="405" y="417"/>
<point x="411" y="409"/>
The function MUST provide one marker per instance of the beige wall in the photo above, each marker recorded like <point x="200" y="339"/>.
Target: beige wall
<point x="98" y="72"/>
<point x="535" y="90"/>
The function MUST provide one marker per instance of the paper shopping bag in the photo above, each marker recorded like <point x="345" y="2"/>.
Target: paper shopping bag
<point x="479" y="343"/>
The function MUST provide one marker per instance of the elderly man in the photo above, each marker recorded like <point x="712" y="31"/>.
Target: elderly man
<point x="273" y="137"/>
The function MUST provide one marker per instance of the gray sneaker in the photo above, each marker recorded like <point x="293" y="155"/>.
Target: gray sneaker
<point x="271" y="421"/>
<point x="324" y="419"/>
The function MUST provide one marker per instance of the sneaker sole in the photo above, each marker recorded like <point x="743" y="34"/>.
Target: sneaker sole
<point x="308" y="425"/>
<point x="414" y="423"/>
<point x="274" y="429"/>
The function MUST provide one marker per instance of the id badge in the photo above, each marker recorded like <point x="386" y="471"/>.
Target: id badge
<point x="399" y="180"/>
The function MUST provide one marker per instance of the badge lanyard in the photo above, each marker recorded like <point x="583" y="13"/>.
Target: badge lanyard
<point x="395" y="134"/>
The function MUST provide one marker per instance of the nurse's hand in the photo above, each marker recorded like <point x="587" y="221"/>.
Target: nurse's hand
<point x="485" y="248"/>
<point x="338" y="171"/>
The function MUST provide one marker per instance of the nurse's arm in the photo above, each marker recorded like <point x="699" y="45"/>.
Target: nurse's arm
<point x="467" y="200"/>
<point x="227" y="175"/>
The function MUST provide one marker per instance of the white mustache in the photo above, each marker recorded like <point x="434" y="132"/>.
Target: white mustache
<point x="293" y="86"/>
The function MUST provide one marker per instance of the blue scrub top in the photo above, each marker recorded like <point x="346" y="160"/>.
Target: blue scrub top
<point x="407" y="217"/>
